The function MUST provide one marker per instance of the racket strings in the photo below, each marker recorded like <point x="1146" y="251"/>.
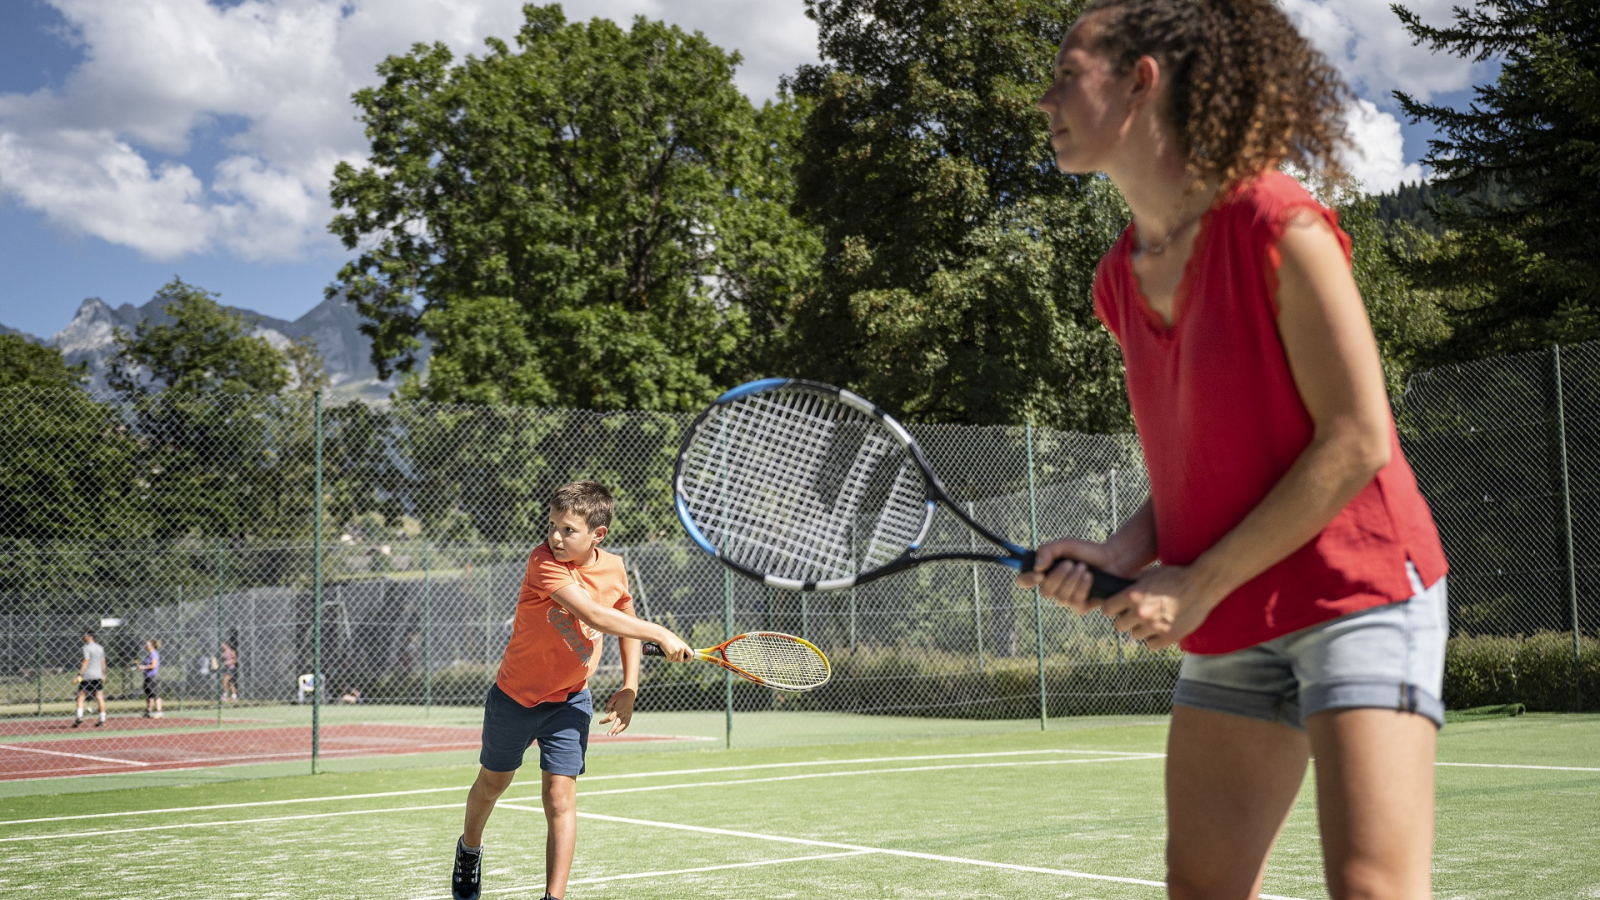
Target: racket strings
<point x="778" y="482"/>
<point x="778" y="660"/>
<point x="759" y="446"/>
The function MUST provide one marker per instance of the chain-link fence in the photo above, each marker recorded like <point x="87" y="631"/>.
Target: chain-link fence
<point x="194" y="521"/>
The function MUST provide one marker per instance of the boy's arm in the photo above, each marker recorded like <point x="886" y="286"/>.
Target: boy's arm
<point x="631" y="650"/>
<point x="574" y="599"/>
<point x="619" y="709"/>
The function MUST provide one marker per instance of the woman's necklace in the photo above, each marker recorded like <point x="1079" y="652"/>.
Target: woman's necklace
<point x="1177" y="223"/>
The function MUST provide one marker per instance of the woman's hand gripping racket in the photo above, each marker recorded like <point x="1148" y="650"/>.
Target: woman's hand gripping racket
<point x="772" y="658"/>
<point x="809" y="487"/>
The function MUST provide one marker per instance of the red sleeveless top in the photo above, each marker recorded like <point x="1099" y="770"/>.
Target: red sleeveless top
<point x="1220" y="422"/>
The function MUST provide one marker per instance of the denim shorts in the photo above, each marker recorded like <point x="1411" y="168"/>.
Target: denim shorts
<point x="1387" y="657"/>
<point x="561" y="728"/>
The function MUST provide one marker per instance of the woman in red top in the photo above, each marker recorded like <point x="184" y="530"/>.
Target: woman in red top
<point x="1301" y="572"/>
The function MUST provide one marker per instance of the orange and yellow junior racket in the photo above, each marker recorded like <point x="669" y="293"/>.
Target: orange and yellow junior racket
<point x="772" y="658"/>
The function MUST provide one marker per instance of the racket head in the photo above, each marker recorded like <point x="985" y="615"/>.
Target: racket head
<point x="774" y="659"/>
<point x="802" y="485"/>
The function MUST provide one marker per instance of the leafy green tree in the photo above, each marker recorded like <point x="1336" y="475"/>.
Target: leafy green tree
<point x="69" y="480"/>
<point x="1407" y="320"/>
<point x="1521" y="264"/>
<point x="26" y="364"/>
<point x="561" y="218"/>
<point x="226" y="455"/>
<point x="207" y="348"/>
<point x="957" y="263"/>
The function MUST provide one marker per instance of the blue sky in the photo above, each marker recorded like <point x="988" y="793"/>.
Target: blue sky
<point x="142" y="139"/>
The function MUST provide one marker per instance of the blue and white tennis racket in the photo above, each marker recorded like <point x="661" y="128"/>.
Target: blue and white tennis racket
<point x="809" y="487"/>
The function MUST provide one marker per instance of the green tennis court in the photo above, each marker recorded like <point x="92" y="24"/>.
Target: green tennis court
<point x="1074" y="811"/>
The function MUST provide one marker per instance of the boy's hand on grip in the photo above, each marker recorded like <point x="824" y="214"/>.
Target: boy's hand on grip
<point x="675" y="649"/>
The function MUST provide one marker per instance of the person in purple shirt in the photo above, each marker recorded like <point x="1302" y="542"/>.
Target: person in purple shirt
<point x="151" y="665"/>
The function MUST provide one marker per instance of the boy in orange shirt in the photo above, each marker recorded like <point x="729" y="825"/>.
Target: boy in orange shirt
<point x="573" y="593"/>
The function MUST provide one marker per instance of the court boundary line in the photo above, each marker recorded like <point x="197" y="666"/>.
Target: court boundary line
<point x="1462" y="765"/>
<point x="1126" y="757"/>
<point x="666" y="773"/>
<point x="809" y="775"/>
<point x="910" y="854"/>
<point x="629" y="876"/>
<point x="708" y="784"/>
<point x="104" y="759"/>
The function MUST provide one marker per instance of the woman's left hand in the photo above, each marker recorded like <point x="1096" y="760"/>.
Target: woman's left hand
<point x="1164" y="606"/>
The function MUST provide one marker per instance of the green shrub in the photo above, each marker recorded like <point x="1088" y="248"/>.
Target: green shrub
<point x="1535" y="670"/>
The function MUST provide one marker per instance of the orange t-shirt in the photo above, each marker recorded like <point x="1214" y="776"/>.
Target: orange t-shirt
<point x="552" y="652"/>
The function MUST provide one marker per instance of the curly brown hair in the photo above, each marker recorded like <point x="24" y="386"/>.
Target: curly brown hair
<point x="1248" y="91"/>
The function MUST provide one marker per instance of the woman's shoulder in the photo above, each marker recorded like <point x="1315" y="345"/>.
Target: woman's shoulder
<point x="1267" y="197"/>
<point x="1263" y="207"/>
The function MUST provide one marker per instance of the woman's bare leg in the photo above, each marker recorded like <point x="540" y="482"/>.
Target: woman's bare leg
<point x="1231" y="782"/>
<point x="1375" y="802"/>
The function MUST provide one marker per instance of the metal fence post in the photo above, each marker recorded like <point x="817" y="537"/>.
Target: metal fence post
<point x="977" y="601"/>
<point x="727" y="632"/>
<point x="38" y="652"/>
<point x="852" y="589"/>
<point x="316" y="579"/>
<point x="427" y="631"/>
<point x="1038" y="600"/>
<point x="1566" y="511"/>
<point x="218" y="642"/>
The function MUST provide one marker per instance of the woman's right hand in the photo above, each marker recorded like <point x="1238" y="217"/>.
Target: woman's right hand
<point x="1061" y="572"/>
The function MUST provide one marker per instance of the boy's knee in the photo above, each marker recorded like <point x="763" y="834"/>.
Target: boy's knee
<point x="494" y="783"/>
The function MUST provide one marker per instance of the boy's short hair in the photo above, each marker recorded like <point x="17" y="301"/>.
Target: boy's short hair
<point x="88" y="632"/>
<point x="589" y="499"/>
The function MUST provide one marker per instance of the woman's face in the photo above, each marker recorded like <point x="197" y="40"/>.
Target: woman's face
<point x="1086" y="102"/>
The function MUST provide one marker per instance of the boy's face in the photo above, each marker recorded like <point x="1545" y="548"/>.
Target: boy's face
<point x="570" y="538"/>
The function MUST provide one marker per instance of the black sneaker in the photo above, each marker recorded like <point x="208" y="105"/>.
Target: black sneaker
<point x="77" y="723"/>
<point x="99" y="722"/>
<point x="464" y="880"/>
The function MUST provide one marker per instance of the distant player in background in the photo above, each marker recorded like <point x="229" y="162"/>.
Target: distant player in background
<point x="230" y="668"/>
<point x="572" y="593"/>
<point x="151" y="666"/>
<point x="1301" y="571"/>
<point x="91" y="678"/>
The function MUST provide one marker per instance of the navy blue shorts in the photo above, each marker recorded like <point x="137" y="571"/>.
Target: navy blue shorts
<point x="560" y="727"/>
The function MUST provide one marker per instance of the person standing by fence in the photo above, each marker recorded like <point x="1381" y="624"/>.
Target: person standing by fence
<point x="91" y="678"/>
<point x="230" y="668"/>
<point x="151" y="666"/>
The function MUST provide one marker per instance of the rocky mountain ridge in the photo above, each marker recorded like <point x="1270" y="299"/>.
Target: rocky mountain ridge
<point x="333" y="325"/>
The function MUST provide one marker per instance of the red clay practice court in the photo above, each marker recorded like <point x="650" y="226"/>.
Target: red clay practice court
<point x="125" y="745"/>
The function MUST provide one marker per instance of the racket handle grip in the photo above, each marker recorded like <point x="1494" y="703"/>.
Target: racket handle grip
<point x="1103" y="584"/>
<point x="651" y="648"/>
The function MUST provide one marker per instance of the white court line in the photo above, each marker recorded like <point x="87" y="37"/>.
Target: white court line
<point x="635" y="875"/>
<point x="211" y="824"/>
<point x="586" y="779"/>
<point x="234" y="758"/>
<point x="105" y="759"/>
<point x="911" y="854"/>
<point x="897" y="769"/>
<point x="1511" y="766"/>
<point x="632" y="790"/>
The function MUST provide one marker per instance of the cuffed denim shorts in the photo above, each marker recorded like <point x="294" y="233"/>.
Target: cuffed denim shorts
<point x="561" y="728"/>
<point x="1387" y="657"/>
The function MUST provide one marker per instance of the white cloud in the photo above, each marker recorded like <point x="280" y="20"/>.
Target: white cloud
<point x="115" y="151"/>
<point x="1377" y="157"/>
<point x="1365" y="40"/>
